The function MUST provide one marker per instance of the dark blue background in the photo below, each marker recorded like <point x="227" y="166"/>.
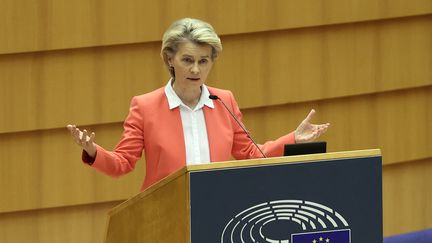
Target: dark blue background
<point x="352" y="187"/>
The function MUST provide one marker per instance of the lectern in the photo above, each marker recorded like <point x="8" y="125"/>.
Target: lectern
<point x="320" y="198"/>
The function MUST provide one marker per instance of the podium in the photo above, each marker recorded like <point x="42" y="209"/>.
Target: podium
<point x="320" y="198"/>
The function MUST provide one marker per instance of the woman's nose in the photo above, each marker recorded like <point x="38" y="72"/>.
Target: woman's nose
<point x="195" y="69"/>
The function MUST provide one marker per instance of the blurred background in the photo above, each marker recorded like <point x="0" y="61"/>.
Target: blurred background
<point x="364" y="65"/>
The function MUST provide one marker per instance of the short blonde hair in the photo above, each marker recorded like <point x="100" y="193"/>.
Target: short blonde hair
<point x="188" y="29"/>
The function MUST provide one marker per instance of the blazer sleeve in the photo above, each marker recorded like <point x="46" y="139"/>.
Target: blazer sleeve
<point x="127" y="152"/>
<point x="243" y="147"/>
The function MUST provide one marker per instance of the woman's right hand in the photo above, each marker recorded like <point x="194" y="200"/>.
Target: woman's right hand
<point x="82" y="139"/>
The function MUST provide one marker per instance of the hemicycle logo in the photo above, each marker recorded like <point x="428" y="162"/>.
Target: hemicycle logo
<point x="316" y="223"/>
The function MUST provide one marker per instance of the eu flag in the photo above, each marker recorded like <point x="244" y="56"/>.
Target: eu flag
<point x="334" y="236"/>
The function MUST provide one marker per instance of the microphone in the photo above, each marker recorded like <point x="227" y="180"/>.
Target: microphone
<point x="215" y="97"/>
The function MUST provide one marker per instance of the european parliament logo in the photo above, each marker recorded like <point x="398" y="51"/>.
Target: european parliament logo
<point x="287" y="221"/>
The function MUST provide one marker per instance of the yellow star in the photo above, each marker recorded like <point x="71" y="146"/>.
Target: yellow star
<point x="327" y="240"/>
<point x="321" y="239"/>
<point x="314" y="241"/>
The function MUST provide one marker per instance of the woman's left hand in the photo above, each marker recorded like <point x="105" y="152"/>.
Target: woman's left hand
<point x="307" y="132"/>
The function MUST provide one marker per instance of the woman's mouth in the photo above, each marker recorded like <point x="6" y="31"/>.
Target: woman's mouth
<point x="194" y="79"/>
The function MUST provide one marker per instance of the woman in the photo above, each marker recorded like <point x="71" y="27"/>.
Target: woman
<point x="179" y="124"/>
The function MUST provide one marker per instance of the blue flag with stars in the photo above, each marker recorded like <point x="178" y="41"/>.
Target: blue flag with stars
<point x="335" y="236"/>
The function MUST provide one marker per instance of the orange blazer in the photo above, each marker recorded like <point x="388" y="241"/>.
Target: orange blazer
<point x="155" y="129"/>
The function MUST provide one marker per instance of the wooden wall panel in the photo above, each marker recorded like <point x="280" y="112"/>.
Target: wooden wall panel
<point x="365" y="65"/>
<point x="407" y="197"/>
<point x="326" y="62"/>
<point x="84" y="224"/>
<point x="29" y="25"/>
<point x="43" y="169"/>
<point x="48" y="171"/>
<point x="75" y="85"/>
<point x="261" y="69"/>
<point x="396" y="122"/>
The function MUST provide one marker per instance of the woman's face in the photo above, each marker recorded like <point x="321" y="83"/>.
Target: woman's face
<point x="192" y="63"/>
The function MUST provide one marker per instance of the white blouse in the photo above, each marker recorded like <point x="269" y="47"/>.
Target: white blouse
<point x="194" y="125"/>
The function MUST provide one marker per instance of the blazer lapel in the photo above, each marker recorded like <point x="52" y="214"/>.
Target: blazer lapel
<point x="211" y="120"/>
<point x="219" y="133"/>
<point x="177" y="135"/>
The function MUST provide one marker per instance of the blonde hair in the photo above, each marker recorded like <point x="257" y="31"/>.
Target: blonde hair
<point x="188" y="29"/>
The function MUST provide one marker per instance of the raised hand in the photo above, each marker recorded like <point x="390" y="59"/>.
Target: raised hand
<point x="83" y="139"/>
<point x="307" y="132"/>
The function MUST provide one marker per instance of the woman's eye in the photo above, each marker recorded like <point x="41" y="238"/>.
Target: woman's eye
<point x="203" y="61"/>
<point x="188" y="60"/>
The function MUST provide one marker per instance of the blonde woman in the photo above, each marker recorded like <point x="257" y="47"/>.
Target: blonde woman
<point x="179" y="124"/>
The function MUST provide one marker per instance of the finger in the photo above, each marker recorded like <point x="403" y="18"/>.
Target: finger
<point x="310" y="115"/>
<point x="325" y="125"/>
<point x="75" y="130"/>
<point x="92" y="136"/>
<point x="84" y="136"/>
<point x="321" y="126"/>
<point x="322" y="130"/>
<point x="76" y="133"/>
<point x="70" y="129"/>
<point x="325" y="129"/>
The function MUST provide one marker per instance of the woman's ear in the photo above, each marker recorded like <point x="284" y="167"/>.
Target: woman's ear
<point x="170" y="61"/>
